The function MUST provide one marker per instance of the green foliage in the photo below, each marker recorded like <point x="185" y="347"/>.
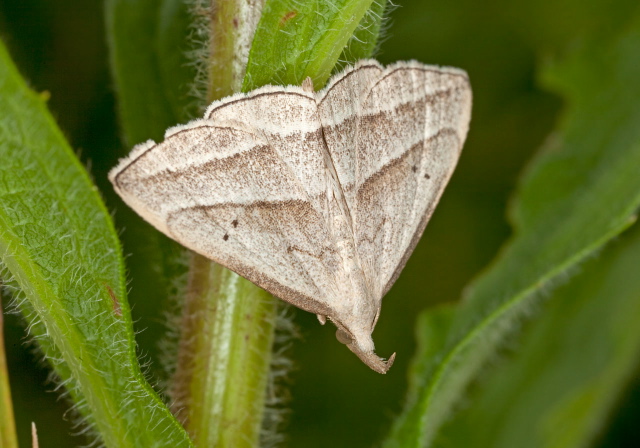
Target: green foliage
<point x="152" y="77"/>
<point x="147" y="47"/>
<point x="296" y="40"/>
<point x="571" y="367"/>
<point x="555" y="386"/>
<point x="366" y="38"/>
<point x="59" y="245"/>
<point x="581" y="191"/>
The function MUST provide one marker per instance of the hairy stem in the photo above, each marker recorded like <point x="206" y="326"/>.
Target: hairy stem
<point x="225" y="352"/>
<point x="232" y="27"/>
<point x="222" y="72"/>
<point x="228" y="322"/>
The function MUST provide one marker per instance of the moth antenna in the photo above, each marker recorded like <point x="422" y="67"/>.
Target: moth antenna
<point x="307" y="85"/>
<point x="34" y="436"/>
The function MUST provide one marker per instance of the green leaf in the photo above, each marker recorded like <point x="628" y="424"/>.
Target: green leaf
<point x="366" y="37"/>
<point x="60" y="247"/>
<point x="172" y="49"/>
<point x="147" y="46"/>
<point x="223" y="359"/>
<point x="296" y="40"/>
<point x="562" y="383"/>
<point x="432" y="328"/>
<point x="580" y="192"/>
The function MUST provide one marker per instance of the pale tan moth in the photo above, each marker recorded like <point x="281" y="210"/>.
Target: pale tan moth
<point x="317" y="197"/>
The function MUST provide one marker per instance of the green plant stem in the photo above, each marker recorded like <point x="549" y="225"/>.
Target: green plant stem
<point x="225" y="353"/>
<point x="228" y="323"/>
<point x="8" y="437"/>
<point x="233" y="25"/>
<point x="222" y="72"/>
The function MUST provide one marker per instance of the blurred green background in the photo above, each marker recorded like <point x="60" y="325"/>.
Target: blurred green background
<point x="335" y="400"/>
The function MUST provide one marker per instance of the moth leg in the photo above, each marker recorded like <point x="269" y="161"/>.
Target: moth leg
<point x="343" y="337"/>
<point x="375" y="320"/>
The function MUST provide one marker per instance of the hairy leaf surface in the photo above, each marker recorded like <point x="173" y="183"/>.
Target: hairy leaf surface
<point x="59" y="246"/>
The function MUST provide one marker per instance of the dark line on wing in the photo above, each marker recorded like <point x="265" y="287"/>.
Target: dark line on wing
<point x="393" y="162"/>
<point x="258" y="96"/>
<point x="158" y="144"/>
<point x="348" y="75"/>
<point x="424" y="70"/>
<point x="273" y="205"/>
<point x="425" y="218"/>
<point x="430" y="99"/>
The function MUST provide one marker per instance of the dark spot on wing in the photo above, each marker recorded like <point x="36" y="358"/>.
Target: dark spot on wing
<point x="414" y="168"/>
<point x="225" y="237"/>
<point x="234" y="223"/>
<point x="426" y="176"/>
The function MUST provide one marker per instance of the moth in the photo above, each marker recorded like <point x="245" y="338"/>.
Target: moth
<point x="317" y="197"/>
